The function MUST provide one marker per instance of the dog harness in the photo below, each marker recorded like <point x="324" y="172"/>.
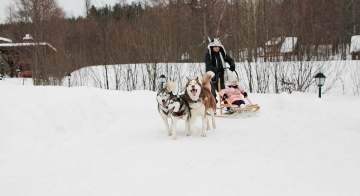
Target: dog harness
<point x="179" y="114"/>
<point x="161" y="107"/>
<point x="166" y="113"/>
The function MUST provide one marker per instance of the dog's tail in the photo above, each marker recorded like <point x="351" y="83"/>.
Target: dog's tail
<point x="170" y="86"/>
<point x="206" y="80"/>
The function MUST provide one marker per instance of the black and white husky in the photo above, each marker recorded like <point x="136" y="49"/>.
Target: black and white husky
<point x="163" y="96"/>
<point x="179" y="109"/>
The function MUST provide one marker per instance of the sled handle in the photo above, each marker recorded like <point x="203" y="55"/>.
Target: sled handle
<point x="249" y="100"/>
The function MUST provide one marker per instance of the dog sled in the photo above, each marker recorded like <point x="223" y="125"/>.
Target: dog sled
<point x="247" y="110"/>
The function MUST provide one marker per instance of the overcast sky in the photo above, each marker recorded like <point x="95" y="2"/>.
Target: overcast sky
<point x="71" y="7"/>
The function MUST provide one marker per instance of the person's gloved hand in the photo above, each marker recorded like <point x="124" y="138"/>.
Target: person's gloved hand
<point x="232" y="68"/>
<point x="245" y="94"/>
<point x="225" y="96"/>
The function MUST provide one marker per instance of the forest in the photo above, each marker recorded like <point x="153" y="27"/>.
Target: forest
<point x="177" y="31"/>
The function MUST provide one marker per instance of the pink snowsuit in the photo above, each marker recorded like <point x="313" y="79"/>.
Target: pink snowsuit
<point x="233" y="95"/>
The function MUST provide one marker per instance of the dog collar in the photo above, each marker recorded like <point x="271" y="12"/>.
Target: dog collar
<point x="192" y="101"/>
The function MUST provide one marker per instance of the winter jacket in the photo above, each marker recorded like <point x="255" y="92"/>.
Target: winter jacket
<point x="233" y="95"/>
<point x="216" y="64"/>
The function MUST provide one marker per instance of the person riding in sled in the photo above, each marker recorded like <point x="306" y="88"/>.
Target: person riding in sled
<point x="215" y="61"/>
<point x="233" y="93"/>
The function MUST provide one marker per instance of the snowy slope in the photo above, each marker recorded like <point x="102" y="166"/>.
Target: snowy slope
<point x="86" y="141"/>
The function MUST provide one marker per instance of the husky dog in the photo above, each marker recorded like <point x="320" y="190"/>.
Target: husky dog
<point x="199" y="97"/>
<point x="163" y="96"/>
<point x="178" y="109"/>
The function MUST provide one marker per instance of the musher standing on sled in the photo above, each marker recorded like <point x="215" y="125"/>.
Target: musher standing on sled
<point x="215" y="61"/>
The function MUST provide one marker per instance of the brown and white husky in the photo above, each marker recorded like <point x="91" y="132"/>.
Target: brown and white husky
<point x="200" y="100"/>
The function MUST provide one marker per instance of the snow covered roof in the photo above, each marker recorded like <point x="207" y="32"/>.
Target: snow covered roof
<point x="288" y="44"/>
<point x="3" y="39"/>
<point x="28" y="37"/>
<point x="355" y="44"/>
<point x="27" y="44"/>
<point x="273" y="41"/>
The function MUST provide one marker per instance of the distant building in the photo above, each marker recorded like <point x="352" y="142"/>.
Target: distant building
<point x="355" y="47"/>
<point x="272" y="47"/>
<point x="21" y="57"/>
<point x="5" y="40"/>
<point x="284" y="47"/>
<point x="289" y="48"/>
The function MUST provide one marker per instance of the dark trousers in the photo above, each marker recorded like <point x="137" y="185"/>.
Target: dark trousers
<point x="238" y="102"/>
<point x="214" y="88"/>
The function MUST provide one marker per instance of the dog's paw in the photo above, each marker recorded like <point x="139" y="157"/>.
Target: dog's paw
<point x="169" y="133"/>
<point x="195" y="132"/>
<point x="203" y="135"/>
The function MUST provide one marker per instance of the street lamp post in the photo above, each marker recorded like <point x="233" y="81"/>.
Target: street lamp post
<point x="69" y="76"/>
<point x="320" y="80"/>
<point x="17" y="71"/>
<point x="162" y="80"/>
<point x="2" y="68"/>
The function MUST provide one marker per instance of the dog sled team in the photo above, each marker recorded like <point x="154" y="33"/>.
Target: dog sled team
<point x="200" y="97"/>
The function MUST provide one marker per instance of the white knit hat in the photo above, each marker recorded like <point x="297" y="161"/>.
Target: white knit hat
<point x="232" y="77"/>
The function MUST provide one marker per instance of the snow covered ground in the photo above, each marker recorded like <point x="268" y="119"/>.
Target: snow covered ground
<point x="84" y="141"/>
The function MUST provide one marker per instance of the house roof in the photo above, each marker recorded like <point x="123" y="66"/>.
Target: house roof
<point x="3" y="39"/>
<point x="273" y="41"/>
<point x="288" y="45"/>
<point x="20" y="45"/>
<point x="355" y="44"/>
<point x="7" y="47"/>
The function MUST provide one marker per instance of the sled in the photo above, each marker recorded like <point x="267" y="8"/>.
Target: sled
<point x="248" y="109"/>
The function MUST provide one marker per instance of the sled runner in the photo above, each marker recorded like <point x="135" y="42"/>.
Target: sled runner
<point x="248" y="109"/>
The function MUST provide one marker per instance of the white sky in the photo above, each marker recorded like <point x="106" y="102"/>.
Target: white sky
<point x="71" y="7"/>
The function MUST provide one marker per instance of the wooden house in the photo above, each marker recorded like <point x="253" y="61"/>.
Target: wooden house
<point x="285" y="48"/>
<point x="289" y="48"/>
<point x="21" y="57"/>
<point x="355" y="47"/>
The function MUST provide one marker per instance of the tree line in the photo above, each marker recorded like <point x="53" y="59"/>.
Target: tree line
<point x="164" y="31"/>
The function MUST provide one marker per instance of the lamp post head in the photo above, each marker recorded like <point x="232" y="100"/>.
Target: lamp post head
<point x="162" y="79"/>
<point x="320" y="79"/>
